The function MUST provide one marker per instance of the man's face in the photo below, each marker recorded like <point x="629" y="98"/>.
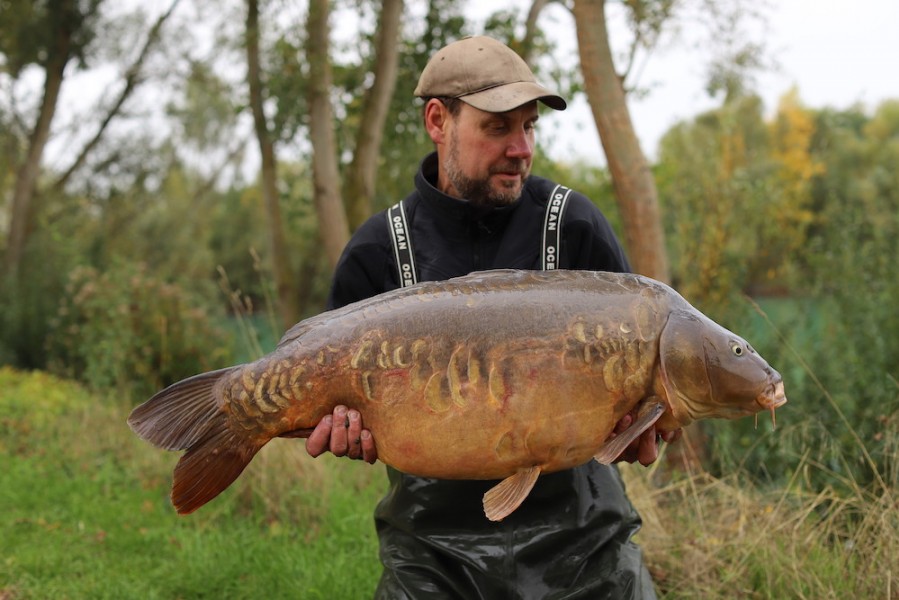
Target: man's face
<point x="488" y="156"/>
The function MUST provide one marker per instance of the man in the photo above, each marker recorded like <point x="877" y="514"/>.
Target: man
<point x="476" y="207"/>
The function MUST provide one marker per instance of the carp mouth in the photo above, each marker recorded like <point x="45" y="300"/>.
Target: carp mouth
<point x="773" y="397"/>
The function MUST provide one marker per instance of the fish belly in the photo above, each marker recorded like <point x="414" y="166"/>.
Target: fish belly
<point x="487" y="412"/>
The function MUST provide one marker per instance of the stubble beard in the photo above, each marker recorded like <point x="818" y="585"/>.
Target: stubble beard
<point x="479" y="191"/>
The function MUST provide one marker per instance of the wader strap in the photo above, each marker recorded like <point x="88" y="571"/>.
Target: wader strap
<point x="552" y="226"/>
<point x="402" y="242"/>
<point x="402" y="245"/>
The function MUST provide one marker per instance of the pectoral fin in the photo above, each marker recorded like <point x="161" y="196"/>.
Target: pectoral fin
<point x="649" y="413"/>
<point x="503" y="498"/>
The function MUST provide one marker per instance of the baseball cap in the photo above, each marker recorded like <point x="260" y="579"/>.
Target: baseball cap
<point x="484" y="73"/>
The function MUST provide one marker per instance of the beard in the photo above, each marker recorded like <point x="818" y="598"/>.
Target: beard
<point x="479" y="191"/>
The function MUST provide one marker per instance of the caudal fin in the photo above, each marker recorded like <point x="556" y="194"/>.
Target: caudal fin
<point x="210" y="466"/>
<point x="187" y="416"/>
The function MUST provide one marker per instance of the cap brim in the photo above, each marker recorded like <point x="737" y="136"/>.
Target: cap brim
<point x="510" y="96"/>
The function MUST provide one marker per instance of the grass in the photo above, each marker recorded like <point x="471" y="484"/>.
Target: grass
<point x="708" y="537"/>
<point x="84" y="513"/>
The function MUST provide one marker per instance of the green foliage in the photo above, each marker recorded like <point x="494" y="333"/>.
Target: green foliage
<point x="287" y="84"/>
<point x="313" y="271"/>
<point x="207" y="109"/>
<point x="28" y="302"/>
<point x="31" y="29"/>
<point x="594" y="182"/>
<point x="809" y="205"/>
<point x="126" y="329"/>
<point x="713" y="180"/>
<point x="852" y="268"/>
<point x="236" y="235"/>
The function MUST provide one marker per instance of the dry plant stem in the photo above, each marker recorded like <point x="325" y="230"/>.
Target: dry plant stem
<point x="242" y="309"/>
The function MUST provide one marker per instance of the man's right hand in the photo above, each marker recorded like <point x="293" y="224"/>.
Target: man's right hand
<point x="342" y="434"/>
<point x="644" y="449"/>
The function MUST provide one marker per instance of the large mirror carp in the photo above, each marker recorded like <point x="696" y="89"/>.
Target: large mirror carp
<point x="495" y="375"/>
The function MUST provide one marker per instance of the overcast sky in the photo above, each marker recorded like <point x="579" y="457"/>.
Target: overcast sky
<point x="836" y="54"/>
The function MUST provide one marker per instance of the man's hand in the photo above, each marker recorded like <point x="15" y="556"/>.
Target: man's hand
<point x="644" y="449"/>
<point x="342" y="434"/>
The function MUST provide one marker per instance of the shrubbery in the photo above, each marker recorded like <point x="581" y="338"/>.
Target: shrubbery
<point x="827" y="279"/>
<point x="128" y="330"/>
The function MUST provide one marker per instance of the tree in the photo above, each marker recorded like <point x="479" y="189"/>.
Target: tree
<point x="405" y="141"/>
<point x="359" y="188"/>
<point x="715" y="174"/>
<point x="293" y="78"/>
<point x="631" y="177"/>
<point x="333" y="228"/>
<point x="790" y="134"/>
<point x="286" y="288"/>
<point x="51" y="34"/>
<point x="133" y="78"/>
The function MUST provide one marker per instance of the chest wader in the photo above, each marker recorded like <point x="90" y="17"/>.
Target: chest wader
<point x="400" y="236"/>
<point x="529" y="556"/>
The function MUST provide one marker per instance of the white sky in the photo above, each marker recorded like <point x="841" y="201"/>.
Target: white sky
<point x="836" y="53"/>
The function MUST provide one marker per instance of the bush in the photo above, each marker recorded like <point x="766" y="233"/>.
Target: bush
<point x="28" y="301"/>
<point x="128" y="330"/>
<point x="804" y="210"/>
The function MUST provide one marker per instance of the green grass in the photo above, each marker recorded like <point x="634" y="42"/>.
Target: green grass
<point x="84" y="512"/>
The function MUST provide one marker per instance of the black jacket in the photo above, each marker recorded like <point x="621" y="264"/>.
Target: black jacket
<point x="571" y="536"/>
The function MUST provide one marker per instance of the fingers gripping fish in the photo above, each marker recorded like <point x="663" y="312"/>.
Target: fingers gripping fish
<point x="496" y="375"/>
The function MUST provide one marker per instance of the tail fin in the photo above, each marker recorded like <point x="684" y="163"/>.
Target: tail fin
<point x="178" y="416"/>
<point x="210" y="466"/>
<point x="187" y="416"/>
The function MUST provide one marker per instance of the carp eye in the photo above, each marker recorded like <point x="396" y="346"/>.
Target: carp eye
<point x="738" y="349"/>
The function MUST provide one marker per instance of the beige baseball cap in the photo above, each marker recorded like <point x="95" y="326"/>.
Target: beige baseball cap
<point x="484" y="73"/>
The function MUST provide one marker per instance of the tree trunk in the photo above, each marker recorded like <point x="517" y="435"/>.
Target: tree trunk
<point x="631" y="177"/>
<point x="332" y="221"/>
<point x="288" y="298"/>
<point x="359" y="184"/>
<point x="530" y="29"/>
<point x="26" y="176"/>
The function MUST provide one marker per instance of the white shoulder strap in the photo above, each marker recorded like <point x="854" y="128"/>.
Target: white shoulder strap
<point x="405" y="257"/>
<point x="552" y="227"/>
<point x="402" y="245"/>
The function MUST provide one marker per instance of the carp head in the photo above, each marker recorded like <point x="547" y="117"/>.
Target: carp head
<point x="710" y="372"/>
